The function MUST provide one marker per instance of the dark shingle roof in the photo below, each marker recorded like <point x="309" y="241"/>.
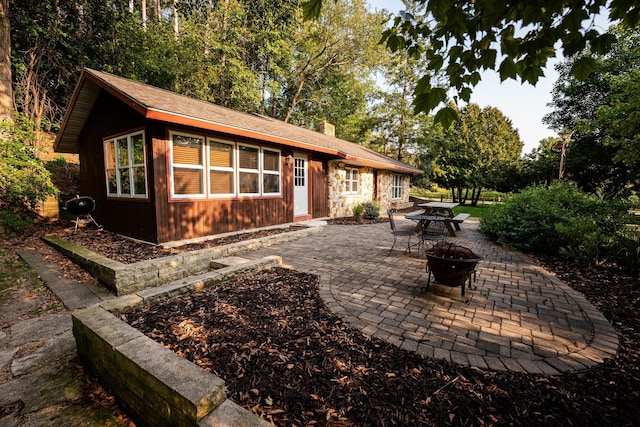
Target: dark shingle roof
<point x="160" y="104"/>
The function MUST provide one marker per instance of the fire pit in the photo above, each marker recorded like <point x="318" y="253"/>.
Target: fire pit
<point x="451" y="265"/>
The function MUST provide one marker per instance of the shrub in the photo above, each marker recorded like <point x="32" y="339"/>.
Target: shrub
<point x="24" y="181"/>
<point x="59" y="163"/>
<point x="357" y="211"/>
<point x="371" y="210"/>
<point x="559" y="220"/>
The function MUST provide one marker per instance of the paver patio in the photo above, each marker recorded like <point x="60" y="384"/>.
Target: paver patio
<point x="520" y="317"/>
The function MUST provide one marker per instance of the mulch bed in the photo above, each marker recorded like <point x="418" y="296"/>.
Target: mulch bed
<point x="286" y="357"/>
<point x="128" y="251"/>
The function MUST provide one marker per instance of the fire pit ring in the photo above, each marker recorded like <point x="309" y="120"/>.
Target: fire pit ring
<point x="451" y="265"/>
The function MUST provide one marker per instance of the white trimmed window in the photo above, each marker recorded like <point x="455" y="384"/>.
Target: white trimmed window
<point x="396" y="188"/>
<point x="270" y="172"/>
<point x="126" y="166"/>
<point x="214" y="168"/>
<point x="187" y="166"/>
<point x="248" y="170"/>
<point x="351" y="180"/>
<point x="222" y="175"/>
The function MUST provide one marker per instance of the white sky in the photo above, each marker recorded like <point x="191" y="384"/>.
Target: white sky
<point x="524" y="104"/>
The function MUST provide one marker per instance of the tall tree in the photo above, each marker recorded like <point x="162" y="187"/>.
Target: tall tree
<point x="340" y="48"/>
<point x="478" y="151"/>
<point x="601" y="111"/>
<point x="399" y="129"/>
<point x="6" y="83"/>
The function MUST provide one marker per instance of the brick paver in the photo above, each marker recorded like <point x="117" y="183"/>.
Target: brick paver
<point x="519" y="318"/>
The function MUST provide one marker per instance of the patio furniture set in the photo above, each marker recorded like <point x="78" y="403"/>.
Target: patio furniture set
<point x="449" y="264"/>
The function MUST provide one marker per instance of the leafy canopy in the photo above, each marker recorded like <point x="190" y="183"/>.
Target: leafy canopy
<point x="602" y="114"/>
<point x="516" y="38"/>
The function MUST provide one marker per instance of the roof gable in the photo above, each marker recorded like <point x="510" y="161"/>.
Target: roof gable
<point x="160" y="104"/>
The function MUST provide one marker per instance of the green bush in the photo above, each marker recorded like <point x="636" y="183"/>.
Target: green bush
<point x="59" y="163"/>
<point x="559" y="220"/>
<point x="24" y="181"/>
<point x="371" y="210"/>
<point x="357" y="211"/>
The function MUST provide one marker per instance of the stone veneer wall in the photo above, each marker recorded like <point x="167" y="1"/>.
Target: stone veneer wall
<point x="341" y="204"/>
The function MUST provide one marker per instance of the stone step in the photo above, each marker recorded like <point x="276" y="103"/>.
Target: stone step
<point x="228" y="262"/>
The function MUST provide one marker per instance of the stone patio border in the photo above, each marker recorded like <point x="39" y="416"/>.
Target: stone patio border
<point x="155" y="385"/>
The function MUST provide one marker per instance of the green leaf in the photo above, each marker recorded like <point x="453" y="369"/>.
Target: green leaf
<point x="583" y="67"/>
<point x="446" y="116"/>
<point x="465" y="94"/>
<point x="507" y="70"/>
<point x="423" y="85"/>
<point x="427" y="101"/>
<point x="436" y="63"/>
<point x="488" y="59"/>
<point x="602" y="43"/>
<point x="531" y="74"/>
<point x="311" y="9"/>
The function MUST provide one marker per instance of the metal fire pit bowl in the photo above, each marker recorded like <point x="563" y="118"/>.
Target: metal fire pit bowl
<point x="451" y="265"/>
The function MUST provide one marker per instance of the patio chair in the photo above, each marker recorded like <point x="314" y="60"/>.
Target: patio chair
<point x="433" y="231"/>
<point x="404" y="232"/>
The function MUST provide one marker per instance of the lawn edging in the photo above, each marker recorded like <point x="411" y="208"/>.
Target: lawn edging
<point x="124" y="279"/>
<point x="155" y="385"/>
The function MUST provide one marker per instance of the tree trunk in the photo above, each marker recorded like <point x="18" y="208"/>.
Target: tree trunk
<point x="176" y="25"/>
<point x="475" y="196"/>
<point x="143" y="10"/>
<point x="6" y="91"/>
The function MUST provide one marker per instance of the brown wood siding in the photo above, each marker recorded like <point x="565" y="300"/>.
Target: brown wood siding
<point x="185" y="219"/>
<point x="320" y="193"/>
<point x="130" y="217"/>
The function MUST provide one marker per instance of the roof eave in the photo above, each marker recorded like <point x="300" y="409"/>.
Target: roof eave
<point x="166" y="116"/>
<point x="82" y="101"/>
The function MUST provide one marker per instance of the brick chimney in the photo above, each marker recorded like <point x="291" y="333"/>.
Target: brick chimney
<point x="326" y="128"/>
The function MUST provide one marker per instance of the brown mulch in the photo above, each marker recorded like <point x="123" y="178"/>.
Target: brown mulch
<point x="286" y="357"/>
<point x="128" y="251"/>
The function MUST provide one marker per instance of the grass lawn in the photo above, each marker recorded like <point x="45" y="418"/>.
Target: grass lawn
<point x="476" y="211"/>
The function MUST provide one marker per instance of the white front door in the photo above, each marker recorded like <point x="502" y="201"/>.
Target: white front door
<point x="300" y="185"/>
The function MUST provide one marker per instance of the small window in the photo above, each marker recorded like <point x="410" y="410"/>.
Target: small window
<point x="351" y="180"/>
<point x="187" y="165"/>
<point x="248" y="170"/>
<point x="396" y="189"/>
<point x="221" y="168"/>
<point x="126" y="166"/>
<point x="270" y="171"/>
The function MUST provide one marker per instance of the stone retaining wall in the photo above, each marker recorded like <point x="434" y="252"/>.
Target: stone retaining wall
<point x="127" y="278"/>
<point x="156" y="386"/>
